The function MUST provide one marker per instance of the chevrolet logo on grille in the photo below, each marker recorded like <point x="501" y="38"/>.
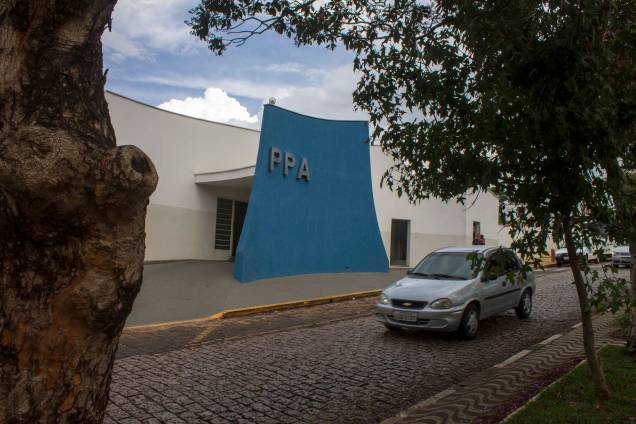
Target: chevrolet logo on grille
<point x="407" y="304"/>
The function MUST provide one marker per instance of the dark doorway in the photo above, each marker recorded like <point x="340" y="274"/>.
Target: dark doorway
<point x="399" y="242"/>
<point x="476" y="229"/>
<point x="240" y="209"/>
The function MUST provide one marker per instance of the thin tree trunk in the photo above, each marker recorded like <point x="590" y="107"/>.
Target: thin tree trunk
<point x="631" y="338"/>
<point x="600" y="385"/>
<point x="72" y="211"/>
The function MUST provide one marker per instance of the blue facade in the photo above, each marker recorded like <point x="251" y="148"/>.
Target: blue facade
<point x="311" y="207"/>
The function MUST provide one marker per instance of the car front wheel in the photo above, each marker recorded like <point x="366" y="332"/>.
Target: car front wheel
<point x="470" y="323"/>
<point x="524" y="309"/>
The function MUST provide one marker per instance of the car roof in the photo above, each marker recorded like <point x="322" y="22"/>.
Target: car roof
<point x="468" y="249"/>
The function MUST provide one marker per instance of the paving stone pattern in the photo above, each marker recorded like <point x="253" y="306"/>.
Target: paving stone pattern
<point x="491" y="395"/>
<point x="348" y="371"/>
<point x="159" y="339"/>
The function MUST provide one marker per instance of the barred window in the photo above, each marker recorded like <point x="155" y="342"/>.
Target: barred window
<point x="223" y="224"/>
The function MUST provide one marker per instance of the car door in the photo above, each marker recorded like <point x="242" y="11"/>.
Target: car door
<point x="492" y="289"/>
<point x="511" y="289"/>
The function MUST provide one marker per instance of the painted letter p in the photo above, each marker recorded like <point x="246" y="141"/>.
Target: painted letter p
<point x="275" y="157"/>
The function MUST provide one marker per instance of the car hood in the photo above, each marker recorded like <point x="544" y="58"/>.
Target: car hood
<point x="428" y="290"/>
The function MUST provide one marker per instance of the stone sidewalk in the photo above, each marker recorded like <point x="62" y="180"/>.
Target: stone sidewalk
<point x="491" y="395"/>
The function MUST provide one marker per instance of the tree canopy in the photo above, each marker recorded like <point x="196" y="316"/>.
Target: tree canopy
<point x="532" y="99"/>
<point x="535" y="99"/>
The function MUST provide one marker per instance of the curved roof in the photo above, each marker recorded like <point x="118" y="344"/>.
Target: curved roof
<point x="179" y="114"/>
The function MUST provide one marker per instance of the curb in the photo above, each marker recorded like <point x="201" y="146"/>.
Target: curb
<point x="536" y="396"/>
<point x="295" y="304"/>
<point x="259" y="309"/>
<point x="415" y="412"/>
<point x="558" y="380"/>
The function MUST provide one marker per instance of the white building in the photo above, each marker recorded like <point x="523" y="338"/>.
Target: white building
<point x="206" y="170"/>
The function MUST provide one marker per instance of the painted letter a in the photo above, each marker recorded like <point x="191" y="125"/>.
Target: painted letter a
<point x="303" y="170"/>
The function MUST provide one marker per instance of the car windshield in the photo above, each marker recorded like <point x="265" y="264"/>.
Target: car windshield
<point x="445" y="265"/>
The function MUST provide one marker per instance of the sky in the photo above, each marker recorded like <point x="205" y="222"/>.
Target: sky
<point x="152" y="57"/>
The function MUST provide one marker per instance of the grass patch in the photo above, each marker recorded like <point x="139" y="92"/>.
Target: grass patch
<point x="623" y="321"/>
<point x="572" y="399"/>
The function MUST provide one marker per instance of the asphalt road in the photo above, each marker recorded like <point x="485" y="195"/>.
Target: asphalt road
<point x="330" y="363"/>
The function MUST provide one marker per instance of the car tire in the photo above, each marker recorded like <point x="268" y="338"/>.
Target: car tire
<point x="470" y="323"/>
<point x="524" y="309"/>
<point x="392" y="327"/>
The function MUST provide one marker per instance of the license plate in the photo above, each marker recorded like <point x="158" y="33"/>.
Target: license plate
<point x="405" y="316"/>
<point x="566" y="258"/>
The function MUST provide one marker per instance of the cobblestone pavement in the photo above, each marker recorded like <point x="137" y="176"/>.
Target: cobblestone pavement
<point x="165" y="338"/>
<point x="330" y="363"/>
<point x="491" y="395"/>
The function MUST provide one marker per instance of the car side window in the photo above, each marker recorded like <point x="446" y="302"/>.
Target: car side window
<point x="493" y="265"/>
<point x="510" y="263"/>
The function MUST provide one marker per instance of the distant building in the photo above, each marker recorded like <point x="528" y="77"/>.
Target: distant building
<point x="314" y="216"/>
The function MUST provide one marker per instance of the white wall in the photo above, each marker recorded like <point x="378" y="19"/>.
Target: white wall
<point x="434" y="224"/>
<point x="181" y="216"/>
<point x="483" y="208"/>
<point x="180" y="223"/>
<point x="506" y="240"/>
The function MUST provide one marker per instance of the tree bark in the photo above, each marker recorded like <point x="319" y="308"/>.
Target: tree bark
<point x="72" y="212"/>
<point x="631" y="338"/>
<point x="598" y="377"/>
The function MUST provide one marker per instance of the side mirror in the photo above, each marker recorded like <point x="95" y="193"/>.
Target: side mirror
<point x="409" y="271"/>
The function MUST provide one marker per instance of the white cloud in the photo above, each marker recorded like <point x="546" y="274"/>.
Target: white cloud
<point x="143" y="26"/>
<point x="243" y="88"/>
<point x="215" y="105"/>
<point x="329" y="96"/>
<point x="121" y="47"/>
<point x="293" y="68"/>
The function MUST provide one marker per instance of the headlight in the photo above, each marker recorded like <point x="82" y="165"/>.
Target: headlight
<point x="442" y="304"/>
<point x="384" y="300"/>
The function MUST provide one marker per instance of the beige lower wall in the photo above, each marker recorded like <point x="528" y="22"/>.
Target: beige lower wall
<point x="421" y="244"/>
<point x="174" y="233"/>
<point x="180" y="233"/>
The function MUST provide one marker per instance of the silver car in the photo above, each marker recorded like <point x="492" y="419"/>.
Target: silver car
<point x="444" y="293"/>
<point x="621" y="256"/>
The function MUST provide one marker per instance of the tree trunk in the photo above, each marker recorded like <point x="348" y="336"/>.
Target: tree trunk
<point x="631" y="338"/>
<point x="72" y="211"/>
<point x="600" y="385"/>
